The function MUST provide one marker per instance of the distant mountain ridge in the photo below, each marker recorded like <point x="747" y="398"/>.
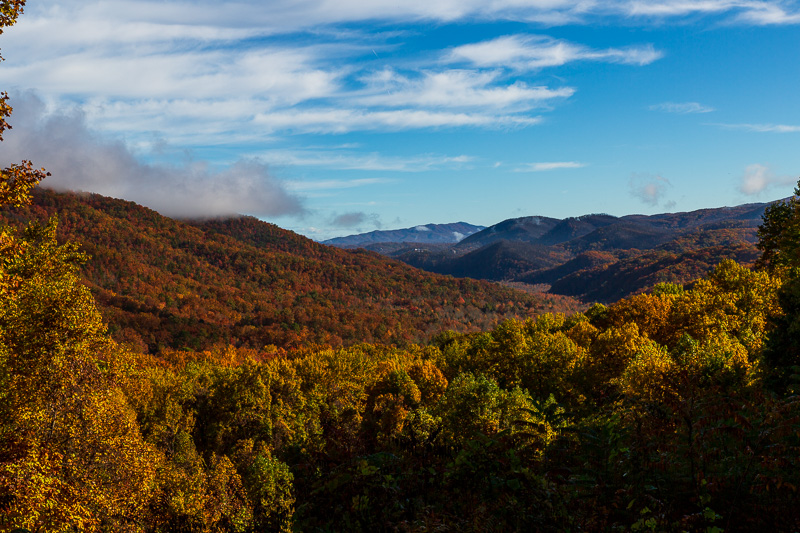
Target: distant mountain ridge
<point x="578" y="255"/>
<point x="424" y="234"/>
<point x="638" y="231"/>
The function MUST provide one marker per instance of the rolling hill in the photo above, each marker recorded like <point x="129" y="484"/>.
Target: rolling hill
<point x="165" y="283"/>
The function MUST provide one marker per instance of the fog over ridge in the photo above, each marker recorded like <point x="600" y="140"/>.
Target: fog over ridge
<point x="81" y="159"/>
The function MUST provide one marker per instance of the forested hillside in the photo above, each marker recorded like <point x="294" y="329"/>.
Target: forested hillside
<point x="162" y="283"/>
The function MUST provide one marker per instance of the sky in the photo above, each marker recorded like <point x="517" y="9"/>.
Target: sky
<point x="337" y="117"/>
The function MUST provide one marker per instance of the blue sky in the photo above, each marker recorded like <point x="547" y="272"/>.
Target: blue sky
<point x="337" y="117"/>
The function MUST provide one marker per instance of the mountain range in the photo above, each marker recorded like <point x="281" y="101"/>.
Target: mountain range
<point x="595" y="257"/>
<point x="427" y="234"/>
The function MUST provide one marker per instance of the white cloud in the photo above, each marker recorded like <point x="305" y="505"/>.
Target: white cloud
<point x="765" y="14"/>
<point x="327" y="120"/>
<point x="681" y="108"/>
<point x="155" y="19"/>
<point x="153" y="67"/>
<point x="757" y="178"/>
<point x="649" y="189"/>
<point x="203" y="72"/>
<point x="672" y="8"/>
<point x="749" y="12"/>
<point x="82" y="160"/>
<point x="530" y="52"/>
<point x="361" y="161"/>
<point x="552" y="165"/>
<point x="763" y="128"/>
<point x="455" y="88"/>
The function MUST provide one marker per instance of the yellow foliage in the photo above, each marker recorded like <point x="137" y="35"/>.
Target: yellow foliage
<point x="582" y="333"/>
<point x="430" y="380"/>
<point x="647" y="376"/>
<point x="613" y="350"/>
<point x="651" y="314"/>
<point x="732" y="300"/>
<point x="67" y="428"/>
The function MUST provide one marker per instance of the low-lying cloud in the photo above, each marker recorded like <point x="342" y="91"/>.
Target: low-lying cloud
<point x="80" y="159"/>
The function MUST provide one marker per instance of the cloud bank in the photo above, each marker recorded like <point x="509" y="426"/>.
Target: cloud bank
<point x="192" y="69"/>
<point x="80" y="159"/>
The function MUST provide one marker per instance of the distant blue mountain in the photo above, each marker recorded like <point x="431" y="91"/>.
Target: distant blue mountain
<point x="427" y="234"/>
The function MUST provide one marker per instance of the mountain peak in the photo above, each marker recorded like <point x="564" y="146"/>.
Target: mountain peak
<point x="422" y="234"/>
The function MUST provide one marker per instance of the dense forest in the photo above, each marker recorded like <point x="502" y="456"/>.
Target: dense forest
<point x="675" y="409"/>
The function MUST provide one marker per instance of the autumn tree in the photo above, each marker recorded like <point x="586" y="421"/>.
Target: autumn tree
<point x="70" y="450"/>
<point x="17" y="180"/>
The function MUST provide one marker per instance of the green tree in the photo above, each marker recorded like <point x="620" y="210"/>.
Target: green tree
<point x="779" y="233"/>
<point x="779" y="241"/>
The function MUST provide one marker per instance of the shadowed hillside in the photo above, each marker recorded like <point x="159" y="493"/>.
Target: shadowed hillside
<point x="595" y="257"/>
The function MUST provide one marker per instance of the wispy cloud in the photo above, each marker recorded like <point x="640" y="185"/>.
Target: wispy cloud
<point x="768" y="13"/>
<point x="762" y="128"/>
<point x="327" y="120"/>
<point x="206" y="18"/>
<point x="681" y="108"/>
<point x="749" y="12"/>
<point x="83" y="160"/>
<point x="649" y="189"/>
<point x="758" y="178"/>
<point x="203" y="72"/>
<point x="283" y="75"/>
<point x="334" y="184"/>
<point x="531" y="52"/>
<point x="673" y="8"/>
<point x="455" y="88"/>
<point x="362" y="161"/>
<point x="553" y="165"/>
